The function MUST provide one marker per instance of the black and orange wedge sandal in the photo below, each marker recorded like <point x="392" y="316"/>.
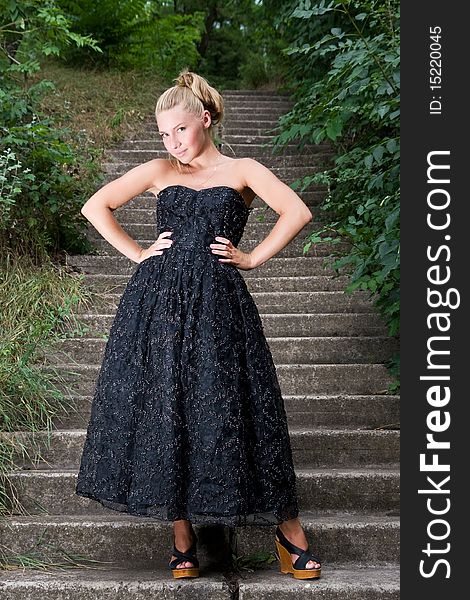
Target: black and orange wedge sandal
<point x="298" y="570"/>
<point x="188" y="556"/>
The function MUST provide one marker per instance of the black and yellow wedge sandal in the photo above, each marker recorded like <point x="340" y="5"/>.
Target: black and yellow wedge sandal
<point x="188" y="556"/>
<point x="298" y="570"/>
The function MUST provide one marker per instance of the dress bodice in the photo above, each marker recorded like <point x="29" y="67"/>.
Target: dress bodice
<point x="196" y="216"/>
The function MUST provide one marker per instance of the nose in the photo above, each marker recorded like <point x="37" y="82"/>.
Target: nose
<point x="174" y="143"/>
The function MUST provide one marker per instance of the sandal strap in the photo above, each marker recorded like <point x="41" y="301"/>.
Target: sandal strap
<point x="188" y="556"/>
<point x="293" y="549"/>
<point x="304" y="555"/>
<point x="303" y="559"/>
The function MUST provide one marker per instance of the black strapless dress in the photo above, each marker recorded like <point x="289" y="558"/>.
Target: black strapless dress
<point x="187" y="419"/>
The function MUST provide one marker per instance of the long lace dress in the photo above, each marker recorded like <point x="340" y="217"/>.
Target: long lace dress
<point x="187" y="419"/>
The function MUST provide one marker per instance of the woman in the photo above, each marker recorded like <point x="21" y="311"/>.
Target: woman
<point x="188" y="422"/>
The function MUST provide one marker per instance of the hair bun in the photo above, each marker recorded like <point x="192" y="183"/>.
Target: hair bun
<point x="185" y="79"/>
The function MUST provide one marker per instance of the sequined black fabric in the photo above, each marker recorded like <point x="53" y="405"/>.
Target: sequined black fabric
<point x="187" y="419"/>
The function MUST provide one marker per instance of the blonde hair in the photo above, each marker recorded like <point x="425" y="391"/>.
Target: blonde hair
<point x="195" y="95"/>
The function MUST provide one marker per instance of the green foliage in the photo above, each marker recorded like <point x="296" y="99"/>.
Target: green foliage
<point x="165" y="45"/>
<point x="135" y="34"/>
<point x="348" y="54"/>
<point x="37" y="310"/>
<point x="40" y="167"/>
<point x="232" y="42"/>
<point x="43" y="189"/>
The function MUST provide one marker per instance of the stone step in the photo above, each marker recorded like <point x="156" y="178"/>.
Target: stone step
<point x="294" y="248"/>
<point x="337" y="537"/>
<point x="254" y="93"/>
<point x="270" y="302"/>
<point x="286" y="174"/>
<point x="319" y="447"/>
<point x="129" y="582"/>
<point x="253" y="231"/>
<point x="287" y="350"/>
<point x="239" y="111"/>
<point x="258" y="105"/>
<point x="355" y="379"/>
<point x="261" y="126"/>
<point x="231" y="100"/>
<point x="232" y="138"/>
<point x="332" y="411"/>
<point x="141" y="209"/>
<point x="314" y="283"/>
<point x="135" y="157"/>
<point x="53" y="491"/>
<point x="299" y="266"/>
<point x="365" y="582"/>
<point x="150" y="129"/>
<point x="256" y="151"/>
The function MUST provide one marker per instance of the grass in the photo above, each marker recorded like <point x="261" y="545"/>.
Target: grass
<point x="105" y="105"/>
<point x="37" y="310"/>
<point x="44" y="556"/>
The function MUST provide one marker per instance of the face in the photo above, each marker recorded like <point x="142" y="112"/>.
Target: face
<point x="183" y="135"/>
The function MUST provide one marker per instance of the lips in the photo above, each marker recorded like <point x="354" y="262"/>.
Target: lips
<point x="181" y="153"/>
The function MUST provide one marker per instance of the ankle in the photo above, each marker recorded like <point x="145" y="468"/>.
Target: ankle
<point x="292" y="526"/>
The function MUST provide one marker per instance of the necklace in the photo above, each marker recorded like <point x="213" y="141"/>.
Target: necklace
<point x="211" y="175"/>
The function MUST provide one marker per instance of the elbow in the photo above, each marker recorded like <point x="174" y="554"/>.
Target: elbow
<point x="309" y="216"/>
<point x="85" y="211"/>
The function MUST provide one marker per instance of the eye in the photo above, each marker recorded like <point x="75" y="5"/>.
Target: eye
<point x="163" y="134"/>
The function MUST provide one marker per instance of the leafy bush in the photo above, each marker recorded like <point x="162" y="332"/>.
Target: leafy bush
<point x="44" y="189"/>
<point x="352" y="102"/>
<point x="40" y="166"/>
<point x="135" y="34"/>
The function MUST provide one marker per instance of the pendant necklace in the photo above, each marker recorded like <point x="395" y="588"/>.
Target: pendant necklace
<point x="211" y="175"/>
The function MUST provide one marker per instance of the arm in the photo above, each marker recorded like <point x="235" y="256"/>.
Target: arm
<point x="99" y="207"/>
<point x="294" y="213"/>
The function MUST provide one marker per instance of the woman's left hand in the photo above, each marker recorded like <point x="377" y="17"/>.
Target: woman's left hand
<point x="233" y="255"/>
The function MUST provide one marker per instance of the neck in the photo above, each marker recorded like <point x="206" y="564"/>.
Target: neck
<point x="209" y="157"/>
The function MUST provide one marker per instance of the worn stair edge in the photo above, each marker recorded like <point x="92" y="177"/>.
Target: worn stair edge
<point x="133" y="582"/>
<point x="298" y="350"/>
<point x="319" y="447"/>
<point x="308" y="283"/>
<point x="338" y="536"/>
<point x="355" y="379"/>
<point x="307" y="411"/>
<point x="369" y="488"/>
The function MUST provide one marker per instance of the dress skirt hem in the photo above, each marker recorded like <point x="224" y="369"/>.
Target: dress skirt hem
<point x="161" y="513"/>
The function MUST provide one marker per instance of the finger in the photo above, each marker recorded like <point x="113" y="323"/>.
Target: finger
<point x="225" y="251"/>
<point x="222" y="239"/>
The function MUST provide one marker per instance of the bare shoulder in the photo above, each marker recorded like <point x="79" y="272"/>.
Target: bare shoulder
<point x="240" y="168"/>
<point x="160" y="169"/>
<point x="272" y="190"/>
<point x="145" y="174"/>
<point x="254" y="174"/>
<point x="137" y="180"/>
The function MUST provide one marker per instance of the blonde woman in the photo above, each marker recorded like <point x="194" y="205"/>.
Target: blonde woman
<point x="187" y="422"/>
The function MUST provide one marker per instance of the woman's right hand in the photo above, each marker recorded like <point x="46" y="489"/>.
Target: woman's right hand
<point x="157" y="247"/>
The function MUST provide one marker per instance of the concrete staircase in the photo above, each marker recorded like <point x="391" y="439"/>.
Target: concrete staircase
<point x="329" y="350"/>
